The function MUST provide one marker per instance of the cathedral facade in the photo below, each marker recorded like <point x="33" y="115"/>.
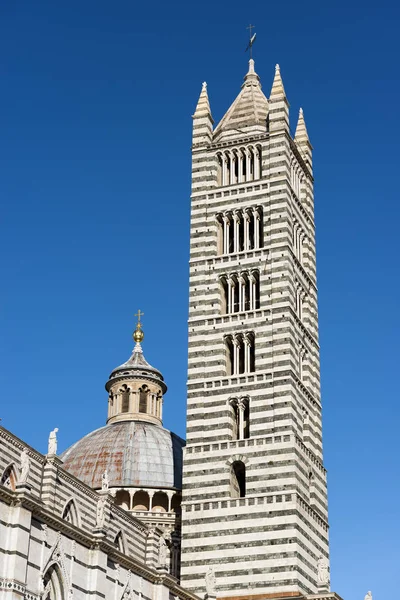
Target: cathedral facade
<point x="240" y="512"/>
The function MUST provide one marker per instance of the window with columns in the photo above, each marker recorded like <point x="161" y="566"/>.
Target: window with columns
<point x="125" y="395"/>
<point x="240" y="353"/>
<point x="240" y="291"/>
<point x="299" y="239"/>
<point x="240" y="230"/>
<point x="143" y="393"/>
<point x="240" y="408"/>
<point x="300" y="299"/>
<point x="302" y="360"/>
<point x="239" y="165"/>
<point x="296" y="176"/>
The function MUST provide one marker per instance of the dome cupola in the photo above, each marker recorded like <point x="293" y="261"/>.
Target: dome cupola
<point x="135" y="388"/>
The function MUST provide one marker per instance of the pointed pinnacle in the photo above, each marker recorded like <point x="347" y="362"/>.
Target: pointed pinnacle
<point x="277" y="86"/>
<point x="203" y="105"/>
<point x="251" y="77"/>
<point x="301" y="134"/>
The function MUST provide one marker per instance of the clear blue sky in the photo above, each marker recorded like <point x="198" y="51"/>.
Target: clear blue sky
<point x="95" y="132"/>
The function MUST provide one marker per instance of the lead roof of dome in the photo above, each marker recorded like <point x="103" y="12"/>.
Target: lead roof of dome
<point x="136" y="366"/>
<point x="134" y="453"/>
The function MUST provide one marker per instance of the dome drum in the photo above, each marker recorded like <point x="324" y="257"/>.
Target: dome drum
<point x="135" y="399"/>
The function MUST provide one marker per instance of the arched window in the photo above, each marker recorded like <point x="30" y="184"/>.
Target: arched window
<point x="219" y="170"/>
<point x="70" y="513"/>
<point x="176" y="504"/>
<point x="255" y="292"/>
<point x="141" y="501"/>
<point x="238" y="479"/>
<point x="240" y="411"/>
<point x="220" y="234"/>
<point x="230" y="354"/>
<point x="9" y="477"/>
<point x="125" y="393"/>
<point x="224" y="294"/>
<point x="53" y="584"/>
<point x="235" y="418"/>
<point x="241" y="355"/>
<point x="143" y="398"/>
<point x="122" y="499"/>
<point x="246" y="418"/>
<point x="160" y="502"/>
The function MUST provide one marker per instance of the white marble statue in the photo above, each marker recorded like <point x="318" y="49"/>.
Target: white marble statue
<point x="323" y="571"/>
<point x="162" y="552"/>
<point x="211" y="582"/>
<point x="104" y="481"/>
<point x="368" y="596"/>
<point x="25" y="466"/>
<point x="100" y="513"/>
<point x="52" y="448"/>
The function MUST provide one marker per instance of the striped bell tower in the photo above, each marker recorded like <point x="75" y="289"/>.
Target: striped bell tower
<point x="254" y="488"/>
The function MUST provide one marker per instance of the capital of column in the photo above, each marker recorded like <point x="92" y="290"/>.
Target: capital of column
<point x="241" y="403"/>
<point x="247" y="339"/>
<point x="236" y="216"/>
<point x="236" y="341"/>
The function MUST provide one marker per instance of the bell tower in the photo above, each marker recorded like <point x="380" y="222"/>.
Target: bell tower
<point x="254" y="483"/>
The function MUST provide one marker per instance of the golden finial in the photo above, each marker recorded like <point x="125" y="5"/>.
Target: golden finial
<point x="138" y="334"/>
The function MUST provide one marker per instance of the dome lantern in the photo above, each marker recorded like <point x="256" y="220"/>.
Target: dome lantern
<point x="136" y="388"/>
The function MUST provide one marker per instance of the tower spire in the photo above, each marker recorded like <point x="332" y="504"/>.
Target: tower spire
<point x="279" y="106"/>
<point x="202" y="119"/>
<point x="277" y="85"/>
<point x="302" y="140"/>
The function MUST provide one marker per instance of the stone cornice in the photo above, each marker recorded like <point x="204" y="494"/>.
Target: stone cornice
<point x="18" y="443"/>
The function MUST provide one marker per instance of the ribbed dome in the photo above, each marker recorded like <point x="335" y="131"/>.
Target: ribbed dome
<point x="134" y="454"/>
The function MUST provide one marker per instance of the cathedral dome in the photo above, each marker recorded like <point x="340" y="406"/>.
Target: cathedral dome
<point x="134" y="453"/>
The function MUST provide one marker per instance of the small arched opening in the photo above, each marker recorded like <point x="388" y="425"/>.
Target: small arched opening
<point x="246" y="418"/>
<point x="122" y="499"/>
<point x="234" y="412"/>
<point x="176" y="504"/>
<point x="160" y="502"/>
<point x="229" y="355"/>
<point x="119" y="542"/>
<point x="219" y="170"/>
<point x="238" y="479"/>
<point x="125" y="393"/>
<point x="141" y="501"/>
<point x="220" y="234"/>
<point x="70" y="513"/>
<point x="53" y="584"/>
<point x="9" y="478"/>
<point x="143" y="393"/>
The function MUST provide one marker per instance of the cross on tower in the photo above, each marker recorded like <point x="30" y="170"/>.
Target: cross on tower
<point x="250" y="46"/>
<point x="139" y="314"/>
<point x="250" y="27"/>
<point x="251" y="39"/>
